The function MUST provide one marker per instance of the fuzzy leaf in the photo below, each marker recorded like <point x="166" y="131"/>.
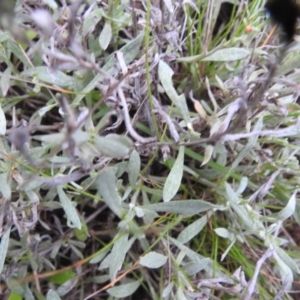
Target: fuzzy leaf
<point x="182" y="207"/>
<point x="115" y="146"/>
<point x="106" y="183"/>
<point x="52" y="295"/>
<point x="2" y="122"/>
<point x="165" y="74"/>
<point x="124" y="290"/>
<point x="117" y="255"/>
<point x="53" y="77"/>
<point x="228" y="54"/>
<point x="173" y="181"/>
<point x="5" y="81"/>
<point x="193" y="229"/>
<point x="289" y="209"/>
<point x="68" y="207"/>
<point x="195" y="267"/>
<point x="4" y="247"/>
<point x="207" y="154"/>
<point x="105" y="36"/>
<point x="153" y="260"/>
<point x="5" y="187"/>
<point x="134" y="166"/>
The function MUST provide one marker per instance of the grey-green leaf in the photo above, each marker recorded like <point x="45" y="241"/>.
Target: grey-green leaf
<point x="52" y="295"/>
<point x="182" y="207"/>
<point x="4" y="186"/>
<point x="53" y="77"/>
<point x="5" y="81"/>
<point x="130" y="50"/>
<point x="193" y="229"/>
<point x="2" y="122"/>
<point x="228" y="54"/>
<point x="106" y="183"/>
<point x="115" y="146"/>
<point x="173" y="181"/>
<point x="195" y="267"/>
<point x="153" y="260"/>
<point x="134" y="166"/>
<point x="4" y="247"/>
<point x="117" y="255"/>
<point x="165" y="74"/>
<point x="68" y="207"/>
<point x="123" y="290"/>
<point x="289" y="209"/>
<point x="105" y="36"/>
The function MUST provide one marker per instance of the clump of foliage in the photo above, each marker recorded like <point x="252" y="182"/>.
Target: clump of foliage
<point x="148" y="151"/>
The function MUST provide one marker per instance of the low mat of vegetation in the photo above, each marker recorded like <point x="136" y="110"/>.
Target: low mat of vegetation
<point x="149" y="150"/>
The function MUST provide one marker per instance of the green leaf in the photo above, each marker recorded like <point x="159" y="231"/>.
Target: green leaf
<point x="173" y="181"/>
<point x="14" y="296"/>
<point x="106" y="183"/>
<point x="124" y="290"/>
<point x="134" y="166"/>
<point x="105" y="36"/>
<point x="153" y="260"/>
<point x="4" y="247"/>
<point x="228" y="54"/>
<point x="63" y="277"/>
<point x="68" y="207"/>
<point x="82" y="234"/>
<point x="182" y="207"/>
<point x="14" y="286"/>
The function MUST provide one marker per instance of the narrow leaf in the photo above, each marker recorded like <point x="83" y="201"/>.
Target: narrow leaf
<point x="52" y="295"/>
<point x="195" y="267"/>
<point x="124" y="290"/>
<point x="228" y="54"/>
<point x="2" y="122"/>
<point x="105" y="36"/>
<point x="106" y="183"/>
<point x="153" y="260"/>
<point x="165" y="74"/>
<point x="4" y="247"/>
<point x="68" y="207"/>
<point x="134" y="166"/>
<point x="174" y="178"/>
<point x="182" y="207"/>
<point x="5" y="81"/>
<point x="207" y="154"/>
<point x="54" y="77"/>
<point x="289" y="209"/>
<point x="117" y="255"/>
<point x="193" y="229"/>
<point x="5" y="187"/>
<point x="115" y="146"/>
